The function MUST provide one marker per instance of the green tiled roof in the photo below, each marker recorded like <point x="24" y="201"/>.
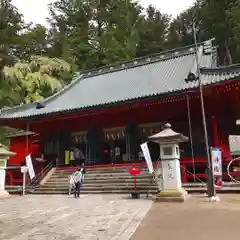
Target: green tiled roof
<point x="140" y="78"/>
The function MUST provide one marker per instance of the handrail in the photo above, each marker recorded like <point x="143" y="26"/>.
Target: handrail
<point x="39" y="175"/>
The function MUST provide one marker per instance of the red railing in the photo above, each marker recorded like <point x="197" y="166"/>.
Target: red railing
<point x="15" y="177"/>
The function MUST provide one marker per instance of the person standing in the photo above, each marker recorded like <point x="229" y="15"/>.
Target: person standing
<point x="72" y="157"/>
<point x="117" y="152"/>
<point x="77" y="155"/>
<point x="78" y="180"/>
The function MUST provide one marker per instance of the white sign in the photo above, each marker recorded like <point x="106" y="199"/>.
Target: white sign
<point x="216" y="157"/>
<point x="24" y="169"/>
<point x="30" y="166"/>
<point x="147" y="157"/>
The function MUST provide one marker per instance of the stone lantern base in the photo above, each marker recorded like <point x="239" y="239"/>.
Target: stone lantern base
<point x="178" y="195"/>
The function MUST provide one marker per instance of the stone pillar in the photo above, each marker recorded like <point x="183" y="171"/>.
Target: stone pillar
<point x="169" y="140"/>
<point x="171" y="173"/>
<point x="4" y="155"/>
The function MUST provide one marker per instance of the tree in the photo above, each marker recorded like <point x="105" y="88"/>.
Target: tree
<point x="233" y="17"/>
<point x="180" y="32"/>
<point x="217" y="24"/>
<point x="152" y="33"/>
<point x="33" y="41"/>
<point x="93" y="33"/>
<point x="31" y="81"/>
<point x="11" y="25"/>
<point x="217" y="19"/>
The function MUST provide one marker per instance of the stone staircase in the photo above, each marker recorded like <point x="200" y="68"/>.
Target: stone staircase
<point x="111" y="180"/>
<point x="99" y="181"/>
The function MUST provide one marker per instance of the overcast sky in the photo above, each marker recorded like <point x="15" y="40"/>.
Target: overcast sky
<point x="37" y="10"/>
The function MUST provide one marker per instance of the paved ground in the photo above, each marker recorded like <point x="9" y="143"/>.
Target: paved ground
<point x="196" y="219"/>
<point x="65" y="218"/>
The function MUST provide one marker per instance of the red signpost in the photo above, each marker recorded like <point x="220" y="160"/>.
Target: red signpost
<point x="135" y="171"/>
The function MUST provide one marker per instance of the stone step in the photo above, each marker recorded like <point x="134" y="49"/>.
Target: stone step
<point x="226" y="190"/>
<point x="18" y="190"/>
<point x="104" y="177"/>
<point x="111" y="172"/>
<point x="122" y="182"/>
<point x="104" y="172"/>
<point x="110" y="169"/>
<point x="148" y="180"/>
<point x="90" y="192"/>
<point x="102" y="181"/>
<point x="112" y="187"/>
<point x="101" y="174"/>
<point x="98" y="183"/>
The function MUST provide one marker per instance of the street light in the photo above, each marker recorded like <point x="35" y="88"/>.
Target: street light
<point x="211" y="187"/>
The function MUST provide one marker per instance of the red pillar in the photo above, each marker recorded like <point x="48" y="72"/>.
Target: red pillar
<point x="214" y="130"/>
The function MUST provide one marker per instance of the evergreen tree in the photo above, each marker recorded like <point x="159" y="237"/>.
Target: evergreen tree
<point x="93" y="33"/>
<point x="11" y="26"/>
<point x="153" y="32"/>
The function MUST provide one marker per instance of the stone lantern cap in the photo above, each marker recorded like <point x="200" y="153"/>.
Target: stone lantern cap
<point x="167" y="135"/>
<point x="4" y="152"/>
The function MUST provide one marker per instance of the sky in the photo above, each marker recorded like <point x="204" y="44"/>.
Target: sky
<point x="36" y="11"/>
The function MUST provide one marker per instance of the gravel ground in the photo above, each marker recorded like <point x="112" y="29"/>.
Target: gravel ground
<point x="60" y="217"/>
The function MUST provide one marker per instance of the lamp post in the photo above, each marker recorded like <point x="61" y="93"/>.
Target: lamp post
<point x="211" y="187"/>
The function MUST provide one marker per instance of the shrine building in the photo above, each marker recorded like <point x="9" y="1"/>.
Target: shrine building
<point x="119" y="106"/>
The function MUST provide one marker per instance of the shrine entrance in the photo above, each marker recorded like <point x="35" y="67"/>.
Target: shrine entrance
<point x="116" y="145"/>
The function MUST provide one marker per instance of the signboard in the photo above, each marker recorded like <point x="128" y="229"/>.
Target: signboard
<point x="147" y="157"/>
<point x="216" y="157"/>
<point x="234" y="144"/>
<point x="24" y="169"/>
<point x="30" y="166"/>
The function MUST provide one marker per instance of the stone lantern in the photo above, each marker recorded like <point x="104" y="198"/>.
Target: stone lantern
<point x="171" y="189"/>
<point x="4" y="155"/>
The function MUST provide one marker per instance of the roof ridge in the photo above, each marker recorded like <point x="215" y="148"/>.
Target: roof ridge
<point x="171" y="53"/>
<point x="228" y="68"/>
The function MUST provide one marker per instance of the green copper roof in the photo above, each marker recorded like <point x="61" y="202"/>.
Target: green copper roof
<point x="140" y="78"/>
